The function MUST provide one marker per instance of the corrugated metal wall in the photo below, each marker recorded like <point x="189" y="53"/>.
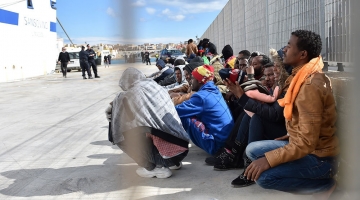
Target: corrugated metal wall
<point x="257" y="25"/>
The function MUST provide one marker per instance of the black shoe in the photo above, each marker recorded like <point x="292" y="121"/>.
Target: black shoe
<point x="97" y="76"/>
<point x="84" y="77"/>
<point x="210" y="160"/>
<point x="90" y="77"/>
<point x="228" y="161"/>
<point x="241" y="181"/>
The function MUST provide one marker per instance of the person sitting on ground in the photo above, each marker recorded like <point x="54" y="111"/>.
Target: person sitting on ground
<point x="180" y="79"/>
<point x="145" y="125"/>
<point x="229" y="57"/>
<point x="217" y="64"/>
<point x="201" y="53"/>
<point x="205" y="116"/>
<point x="170" y="62"/>
<point x="309" y="110"/>
<point x="258" y="125"/>
<point x="163" y="71"/>
<point x="171" y="78"/>
<point x="244" y="54"/>
<point x="242" y="64"/>
<point x="208" y="46"/>
<point x="250" y="129"/>
<point x="238" y="110"/>
<point x="185" y="92"/>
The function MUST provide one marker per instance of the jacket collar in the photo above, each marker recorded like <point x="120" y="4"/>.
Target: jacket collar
<point x="296" y="69"/>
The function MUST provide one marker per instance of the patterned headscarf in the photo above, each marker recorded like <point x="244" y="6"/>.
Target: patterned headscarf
<point x="203" y="73"/>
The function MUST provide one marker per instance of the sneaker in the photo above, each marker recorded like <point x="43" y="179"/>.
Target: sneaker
<point x="241" y="181"/>
<point x="176" y="167"/>
<point x="210" y="160"/>
<point x="228" y="161"/>
<point x="84" y="77"/>
<point x="90" y="77"/>
<point x="213" y="159"/>
<point x="97" y="76"/>
<point x="157" y="172"/>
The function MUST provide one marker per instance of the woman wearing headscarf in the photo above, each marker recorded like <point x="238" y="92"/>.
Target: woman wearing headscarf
<point x="145" y="125"/>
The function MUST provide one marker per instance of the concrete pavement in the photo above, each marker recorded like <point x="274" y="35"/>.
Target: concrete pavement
<point x="53" y="145"/>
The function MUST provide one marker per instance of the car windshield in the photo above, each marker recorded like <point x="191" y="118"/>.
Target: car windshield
<point x="74" y="55"/>
<point x="174" y="51"/>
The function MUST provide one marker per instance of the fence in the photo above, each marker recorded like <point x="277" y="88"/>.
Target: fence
<point x="263" y="24"/>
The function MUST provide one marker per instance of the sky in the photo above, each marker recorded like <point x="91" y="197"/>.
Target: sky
<point x="135" y="21"/>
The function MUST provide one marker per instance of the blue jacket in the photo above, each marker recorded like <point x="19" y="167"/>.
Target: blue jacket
<point x="209" y="107"/>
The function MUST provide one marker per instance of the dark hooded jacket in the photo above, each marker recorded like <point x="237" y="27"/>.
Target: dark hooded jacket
<point x="164" y="72"/>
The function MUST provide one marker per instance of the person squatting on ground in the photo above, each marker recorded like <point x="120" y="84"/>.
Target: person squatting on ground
<point x="305" y="160"/>
<point x="145" y="125"/>
<point x="91" y="61"/>
<point x="84" y="64"/>
<point x="64" y="60"/>
<point x="205" y="116"/>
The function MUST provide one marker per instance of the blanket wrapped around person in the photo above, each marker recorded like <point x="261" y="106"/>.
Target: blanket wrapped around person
<point x="143" y="103"/>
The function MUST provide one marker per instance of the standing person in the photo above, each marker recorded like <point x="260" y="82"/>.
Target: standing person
<point x="84" y="63"/>
<point x="125" y="58"/>
<point x="106" y="61"/>
<point x="147" y="58"/>
<point x="142" y="57"/>
<point x="92" y="60"/>
<point x="191" y="49"/>
<point x="64" y="59"/>
<point x="109" y="59"/>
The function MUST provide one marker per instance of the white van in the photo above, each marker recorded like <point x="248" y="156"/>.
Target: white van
<point x="74" y="63"/>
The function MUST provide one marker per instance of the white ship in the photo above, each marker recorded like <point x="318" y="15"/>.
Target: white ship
<point x="28" y="38"/>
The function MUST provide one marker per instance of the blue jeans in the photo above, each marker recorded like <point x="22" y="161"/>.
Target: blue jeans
<point x="308" y="175"/>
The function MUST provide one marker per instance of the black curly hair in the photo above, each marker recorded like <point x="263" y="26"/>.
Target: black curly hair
<point x="264" y="60"/>
<point x="308" y="41"/>
<point x="179" y="62"/>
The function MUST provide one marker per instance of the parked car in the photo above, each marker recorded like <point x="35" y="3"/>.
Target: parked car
<point x="172" y="53"/>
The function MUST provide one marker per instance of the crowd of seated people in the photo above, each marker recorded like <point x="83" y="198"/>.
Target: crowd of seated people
<point x="271" y="114"/>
